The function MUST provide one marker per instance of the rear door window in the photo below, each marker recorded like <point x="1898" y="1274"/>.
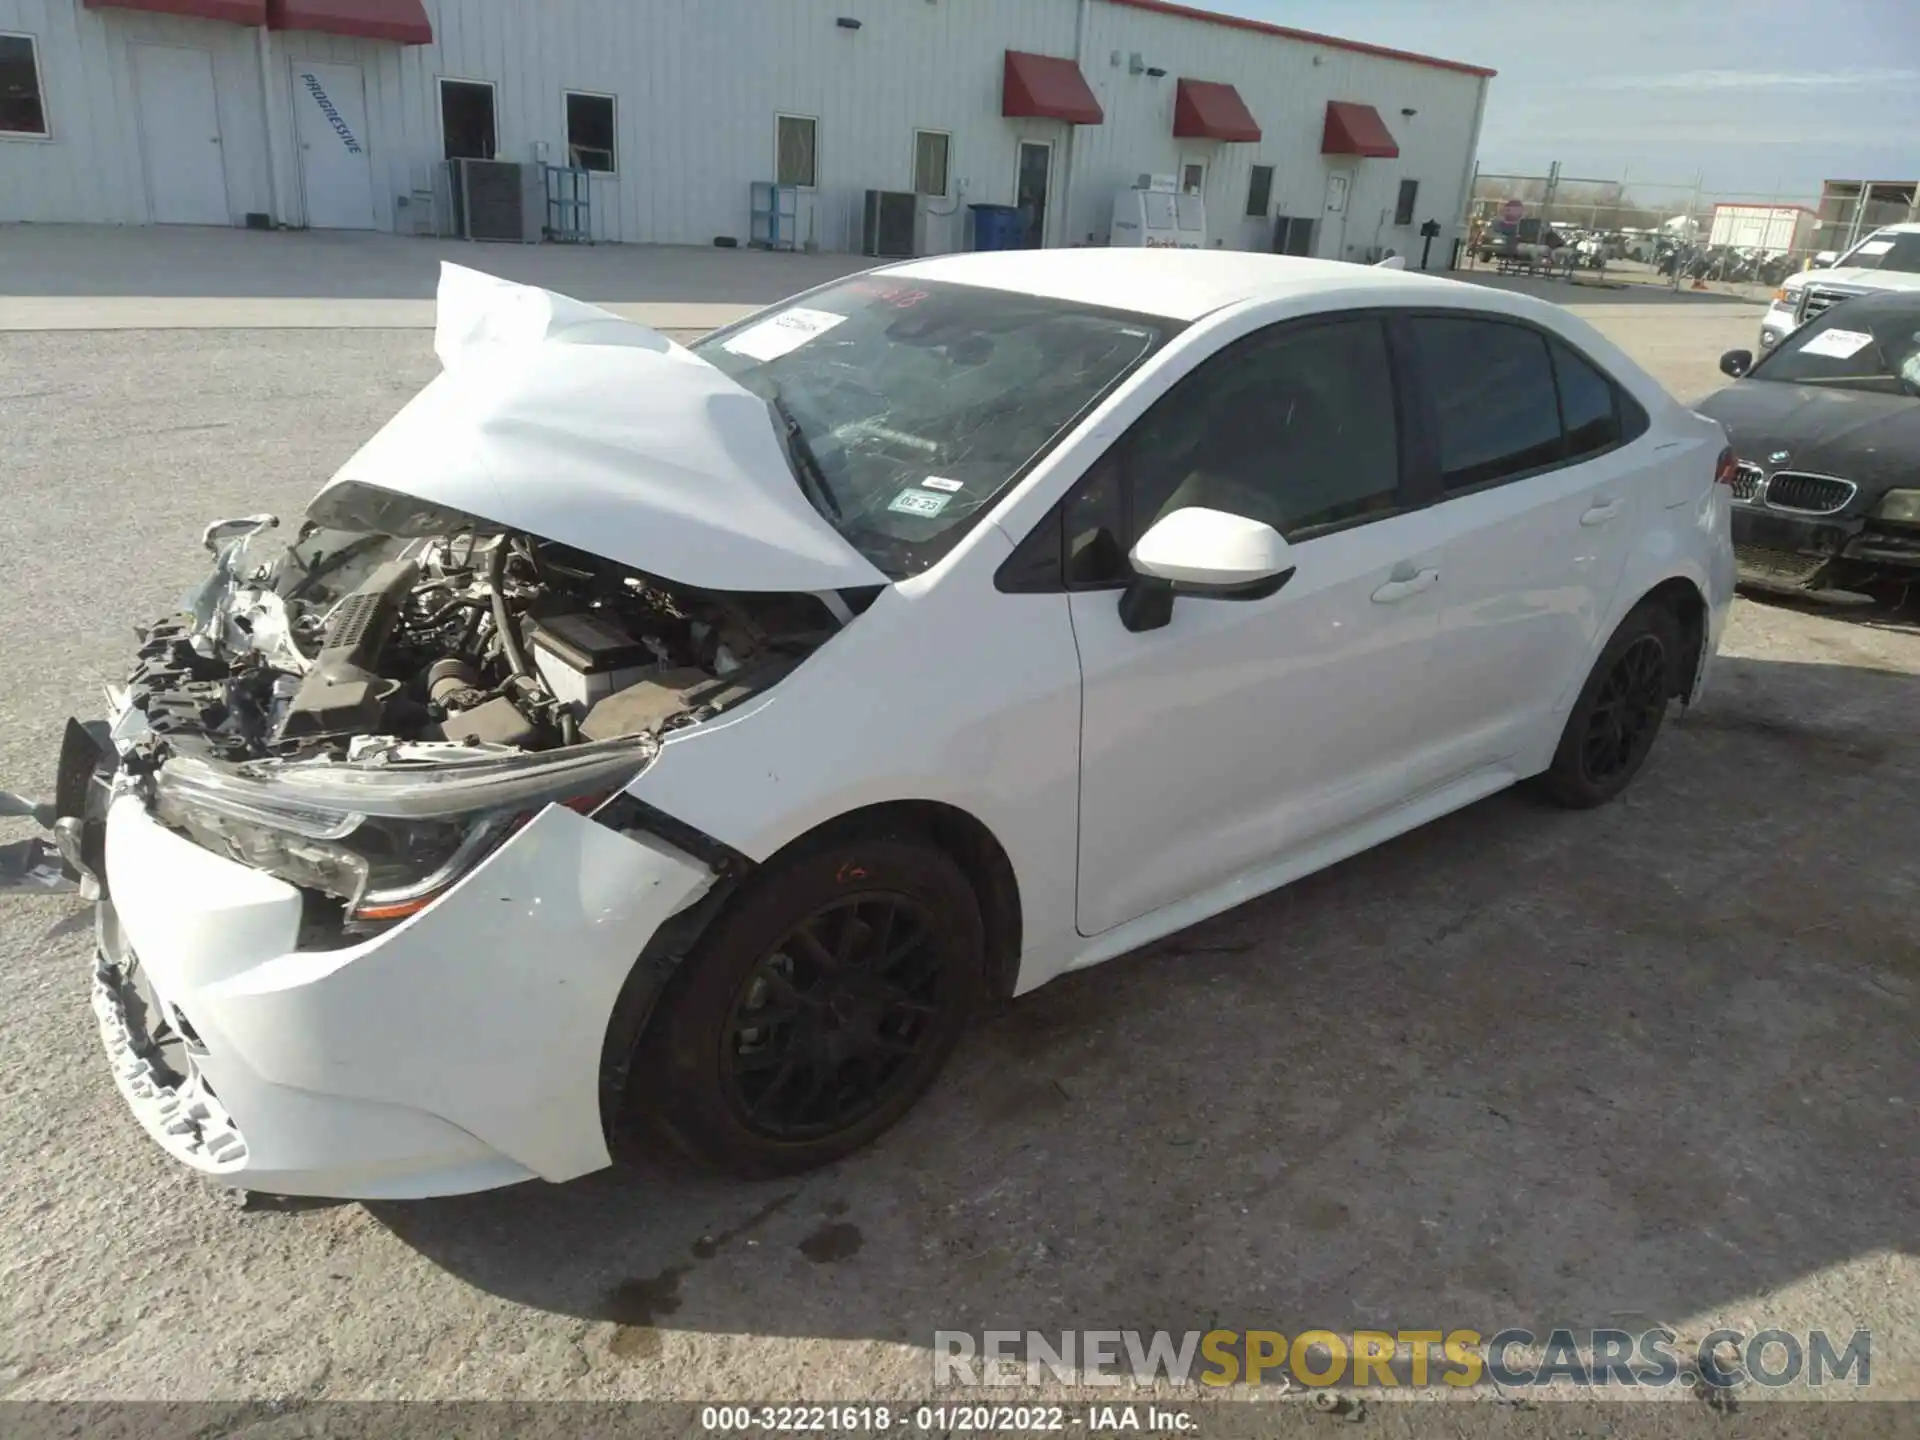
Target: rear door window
<point x="1588" y="405"/>
<point x="1496" y="407"/>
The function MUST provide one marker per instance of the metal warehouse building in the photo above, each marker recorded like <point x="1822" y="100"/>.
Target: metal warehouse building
<point x="343" y="114"/>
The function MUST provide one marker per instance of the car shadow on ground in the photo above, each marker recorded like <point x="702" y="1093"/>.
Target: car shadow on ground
<point x="1522" y="1066"/>
<point x="1900" y="616"/>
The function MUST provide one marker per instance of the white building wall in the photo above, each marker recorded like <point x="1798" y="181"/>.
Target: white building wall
<point x="91" y="168"/>
<point x="1286" y="84"/>
<point x="698" y="84"/>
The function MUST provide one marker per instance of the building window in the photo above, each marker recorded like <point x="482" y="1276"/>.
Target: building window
<point x="930" y="162"/>
<point x="22" y="112"/>
<point x="590" y="143"/>
<point x="1193" y="177"/>
<point x="1293" y="235"/>
<point x="1260" y="191"/>
<point x="795" y="157"/>
<point x="466" y="120"/>
<point x="1403" y="207"/>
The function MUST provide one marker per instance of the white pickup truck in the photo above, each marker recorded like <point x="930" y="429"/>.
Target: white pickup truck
<point x="1888" y="259"/>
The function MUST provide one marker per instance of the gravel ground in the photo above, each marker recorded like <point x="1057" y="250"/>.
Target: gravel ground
<point x="1654" y="1063"/>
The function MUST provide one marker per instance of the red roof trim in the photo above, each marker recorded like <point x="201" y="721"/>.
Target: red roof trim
<point x="1355" y="129"/>
<point x="1287" y="32"/>
<point x="404" y="21"/>
<point x="1212" y="110"/>
<point x="232" y="12"/>
<point x="1048" y="87"/>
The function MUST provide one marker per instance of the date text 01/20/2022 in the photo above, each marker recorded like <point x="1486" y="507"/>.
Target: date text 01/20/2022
<point x="942" y="1419"/>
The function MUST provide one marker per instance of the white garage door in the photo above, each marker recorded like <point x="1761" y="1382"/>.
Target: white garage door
<point x="180" y="135"/>
<point x="330" y="109"/>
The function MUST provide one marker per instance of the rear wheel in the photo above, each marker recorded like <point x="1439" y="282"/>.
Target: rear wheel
<point x="1618" y="715"/>
<point x="818" y="1008"/>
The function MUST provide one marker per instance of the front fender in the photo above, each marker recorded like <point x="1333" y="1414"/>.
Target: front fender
<point x="944" y="690"/>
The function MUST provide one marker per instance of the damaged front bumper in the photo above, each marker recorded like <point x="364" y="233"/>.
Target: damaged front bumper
<point x="1811" y="555"/>
<point x="459" y="1050"/>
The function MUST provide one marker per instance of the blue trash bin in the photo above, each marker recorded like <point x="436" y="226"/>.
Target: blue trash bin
<point x="997" y="227"/>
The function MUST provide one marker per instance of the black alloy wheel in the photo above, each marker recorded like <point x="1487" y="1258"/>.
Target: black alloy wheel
<point x="1626" y="712"/>
<point x="831" y="1019"/>
<point x="819" y="1005"/>
<point x="1618" y="714"/>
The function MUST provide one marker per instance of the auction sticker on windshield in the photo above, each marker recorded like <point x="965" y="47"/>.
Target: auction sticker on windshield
<point x="919" y="502"/>
<point x="788" y="330"/>
<point x="1837" y="343"/>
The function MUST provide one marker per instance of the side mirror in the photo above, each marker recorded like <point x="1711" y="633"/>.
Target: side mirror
<point x="1736" y="363"/>
<point x="1824" y="260"/>
<point x="1207" y="553"/>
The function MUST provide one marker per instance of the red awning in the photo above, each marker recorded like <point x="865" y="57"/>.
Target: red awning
<point x="234" y="12"/>
<point x="402" y="20"/>
<point x="1050" y="87"/>
<point x="1212" y="110"/>
<point x="1354" y="129"/>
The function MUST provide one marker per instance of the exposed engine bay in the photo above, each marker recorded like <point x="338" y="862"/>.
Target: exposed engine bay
<point x="342" y="646"/>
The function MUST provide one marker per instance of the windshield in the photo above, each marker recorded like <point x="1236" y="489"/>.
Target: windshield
<point x="1853" y="346"/>
<point x="909" y="405"/>
<point x="1898" y="250"/>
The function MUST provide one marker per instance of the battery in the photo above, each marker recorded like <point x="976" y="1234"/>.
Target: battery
<point x="582" y="657"/>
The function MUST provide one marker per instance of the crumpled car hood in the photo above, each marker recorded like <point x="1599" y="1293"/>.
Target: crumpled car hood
<point x="566" y="421"/>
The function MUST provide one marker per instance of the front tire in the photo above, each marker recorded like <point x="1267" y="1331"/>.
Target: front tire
<point x="1618" y="715"/>
<point x="818" y="1008"/>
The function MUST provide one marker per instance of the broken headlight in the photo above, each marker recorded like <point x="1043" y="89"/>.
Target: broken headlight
<point x="1901" y="506"/>
<point x="388" y="836"/>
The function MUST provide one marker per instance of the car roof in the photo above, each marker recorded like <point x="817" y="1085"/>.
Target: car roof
<point x="1183" y="284"/>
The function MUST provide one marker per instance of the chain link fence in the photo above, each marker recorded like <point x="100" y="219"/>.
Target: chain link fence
<point x="1684" y="235"/>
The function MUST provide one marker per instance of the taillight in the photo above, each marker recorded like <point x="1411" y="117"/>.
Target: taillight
<point x="1727" y="468"/>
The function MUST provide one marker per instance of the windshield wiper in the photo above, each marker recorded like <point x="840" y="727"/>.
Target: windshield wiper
<point x="806" y="465"/>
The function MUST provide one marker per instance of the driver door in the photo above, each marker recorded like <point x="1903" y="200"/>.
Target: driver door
<point x="1244" y="729"/>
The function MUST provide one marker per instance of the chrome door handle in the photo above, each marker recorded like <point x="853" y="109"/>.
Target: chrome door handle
<point x="1395" y="590"/>
<point x="1600" y="512"/>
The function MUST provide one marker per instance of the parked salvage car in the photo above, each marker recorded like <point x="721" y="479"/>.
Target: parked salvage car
<point x="1827" y="427"/>
<point x="695" y="738"/>
<point x="1886" y="259"/>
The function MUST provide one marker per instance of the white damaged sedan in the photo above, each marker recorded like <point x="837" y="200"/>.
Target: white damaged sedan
<point x="693" y="739"/>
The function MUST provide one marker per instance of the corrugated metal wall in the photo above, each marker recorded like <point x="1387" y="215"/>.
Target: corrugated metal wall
<point x="91" y="167"/>
<point x="1286" y="84"/>
<point x="698" y="84"/>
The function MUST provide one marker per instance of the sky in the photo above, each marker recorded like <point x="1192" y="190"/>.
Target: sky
<point x="1762" y="97"/>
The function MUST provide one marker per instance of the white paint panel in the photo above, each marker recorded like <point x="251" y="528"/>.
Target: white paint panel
<point x="180" y="135"/>
<point x="329" y="106"/>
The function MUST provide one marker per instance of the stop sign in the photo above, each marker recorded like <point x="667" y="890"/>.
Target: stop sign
<point x="1511" y="212"/>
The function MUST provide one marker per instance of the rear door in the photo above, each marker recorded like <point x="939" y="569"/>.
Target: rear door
<point x="1541" y="491"/>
